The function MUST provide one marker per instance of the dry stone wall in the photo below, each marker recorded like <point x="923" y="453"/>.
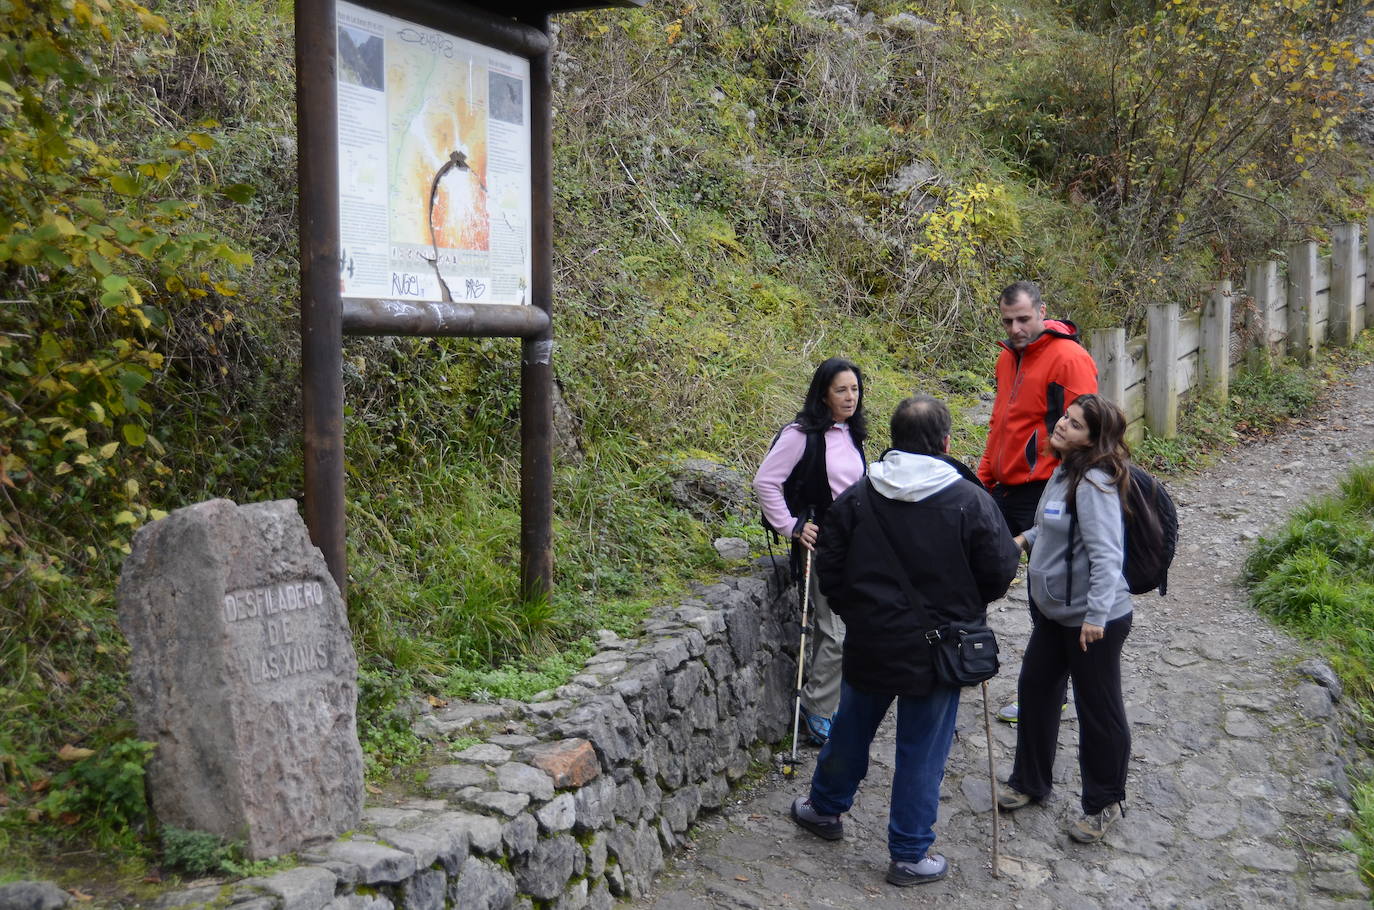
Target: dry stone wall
<point x="574" y="799"/>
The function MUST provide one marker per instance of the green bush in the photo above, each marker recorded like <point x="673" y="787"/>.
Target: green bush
<point x="107" y="249"/>
<point x="1316" y="578"/>
<point x="384" y="723"/>
<point x="202" y="853"/>
<point x="194" y="852"/>
<point x="102" y="790"/>
<point x="517" y="681"/>
<point x="1266" y="396"/>
<point x="1364" y="827"/>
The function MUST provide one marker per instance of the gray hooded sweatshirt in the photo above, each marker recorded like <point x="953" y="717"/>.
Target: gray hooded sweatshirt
<point x="1099" y="591"/>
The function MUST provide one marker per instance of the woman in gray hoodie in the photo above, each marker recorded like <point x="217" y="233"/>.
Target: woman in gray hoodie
<point x="1081" y="609"/>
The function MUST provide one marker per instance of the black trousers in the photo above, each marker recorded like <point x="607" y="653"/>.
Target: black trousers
<point x="1018" y="503"/>
<point x="1104" y="735"/>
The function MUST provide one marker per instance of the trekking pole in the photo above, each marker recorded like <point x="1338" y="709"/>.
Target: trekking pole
<point x="801" y="656"/>
<point x="992" y="785"/>
<point x="801" y="653"/>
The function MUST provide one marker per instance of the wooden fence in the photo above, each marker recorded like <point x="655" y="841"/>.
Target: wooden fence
<point x="1285" y="308"/>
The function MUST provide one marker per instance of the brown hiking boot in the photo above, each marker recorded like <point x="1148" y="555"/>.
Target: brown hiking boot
<point x="1090" y="829"/>
<point x="1009" y="799"/>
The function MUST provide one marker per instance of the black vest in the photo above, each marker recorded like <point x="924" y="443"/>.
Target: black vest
<point x="808" y="486"/>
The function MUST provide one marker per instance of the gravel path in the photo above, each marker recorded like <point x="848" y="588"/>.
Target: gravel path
<point x="1236" y="798"/>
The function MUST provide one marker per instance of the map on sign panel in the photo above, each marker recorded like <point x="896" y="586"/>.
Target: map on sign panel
<point x="434" y="164"/>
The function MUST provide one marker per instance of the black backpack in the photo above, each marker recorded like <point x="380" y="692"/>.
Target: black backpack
<point x="808" y="454"/>
<point x="1151" y="535"/>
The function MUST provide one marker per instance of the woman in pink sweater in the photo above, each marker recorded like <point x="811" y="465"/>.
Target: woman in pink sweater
<point x="813" y="460"/>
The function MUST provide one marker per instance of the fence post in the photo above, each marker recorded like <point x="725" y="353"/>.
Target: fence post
<point x="1214" y="355"/>
<point x="1161" y="388"/>
<point x="1369" y="272"/>
<point x="1345" y="266"/>
<point x="1302" y="286"/>
<point x="1256" y="326"/>
<point x="1261" y="281"/>
<point x="1363" y="300"/>
<point x="1108" y="348"/>
<point x="1275" y="301"/>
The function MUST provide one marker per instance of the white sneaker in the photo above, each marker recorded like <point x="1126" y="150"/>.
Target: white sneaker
<point x="931" y="868"/>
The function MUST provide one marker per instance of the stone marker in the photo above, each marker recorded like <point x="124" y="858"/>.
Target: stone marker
<point x="243" y="676"/>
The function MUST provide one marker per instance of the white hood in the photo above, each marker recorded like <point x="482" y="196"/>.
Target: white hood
<point x="908" y="477"/>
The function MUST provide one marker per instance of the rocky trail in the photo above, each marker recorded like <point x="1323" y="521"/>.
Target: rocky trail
<point x="1237" y="795"/>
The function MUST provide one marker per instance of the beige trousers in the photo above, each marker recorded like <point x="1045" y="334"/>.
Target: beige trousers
<point x="825" y="645"/>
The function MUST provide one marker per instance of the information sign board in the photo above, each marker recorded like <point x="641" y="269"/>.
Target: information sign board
<point x="434" y="164"/>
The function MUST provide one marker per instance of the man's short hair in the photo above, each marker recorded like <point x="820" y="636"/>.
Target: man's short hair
<point x="920" y="425"/>
<point x="1014" y="290"/>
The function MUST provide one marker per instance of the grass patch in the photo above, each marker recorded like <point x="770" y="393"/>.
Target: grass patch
<point x="519" y="681"/>
<point x="435" y="606"/>
<point x="1364" y="827"/>
<point x="1315" y="577"/>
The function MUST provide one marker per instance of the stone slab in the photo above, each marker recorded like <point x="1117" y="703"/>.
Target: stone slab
<point x="243" y="675"/>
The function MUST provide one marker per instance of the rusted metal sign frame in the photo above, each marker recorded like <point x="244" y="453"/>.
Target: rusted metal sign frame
<point x="326" y="317"/>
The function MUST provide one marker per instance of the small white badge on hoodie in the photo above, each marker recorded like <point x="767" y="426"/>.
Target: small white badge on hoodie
<point x="1054" y="510"/>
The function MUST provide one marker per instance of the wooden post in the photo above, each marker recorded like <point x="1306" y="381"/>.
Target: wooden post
<point x="1302" y="316"/>
<point x="1108" y="347"/>
<point x="322" y="403"/>
<point x="1214" y="354"/>
<point x="1258" y="319"/>
<point x="1362" y="297"/>
<point x="536" y="353"/>
<point x="1274" y="301"/>
<point x="1345" y="266"/>
<point x="1256" y="326"/>
<point x="1161" y="383"/>
<point x="1368" y="273"/>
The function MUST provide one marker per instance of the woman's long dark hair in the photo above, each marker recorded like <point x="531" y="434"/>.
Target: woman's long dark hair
<point x="1106" y="449"/>
<point x="815" y="413"/>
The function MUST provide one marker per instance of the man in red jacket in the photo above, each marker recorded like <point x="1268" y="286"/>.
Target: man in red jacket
<point x="1041" y="370"/>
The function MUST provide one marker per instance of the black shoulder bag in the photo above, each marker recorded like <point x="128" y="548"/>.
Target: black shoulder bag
<point x="961" y="653"/>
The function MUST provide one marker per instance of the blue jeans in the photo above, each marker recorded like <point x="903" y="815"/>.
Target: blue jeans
<point x="925" y="729"/>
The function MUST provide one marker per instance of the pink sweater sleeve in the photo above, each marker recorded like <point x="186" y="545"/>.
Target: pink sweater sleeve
<point x="777" y="464"/>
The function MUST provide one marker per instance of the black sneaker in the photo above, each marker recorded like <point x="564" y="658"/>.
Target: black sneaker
<point x="828" y="827"/>
<point x="930" y="869"/>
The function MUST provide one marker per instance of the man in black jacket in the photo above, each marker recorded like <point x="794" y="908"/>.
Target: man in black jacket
<point x="914" y="516"/>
